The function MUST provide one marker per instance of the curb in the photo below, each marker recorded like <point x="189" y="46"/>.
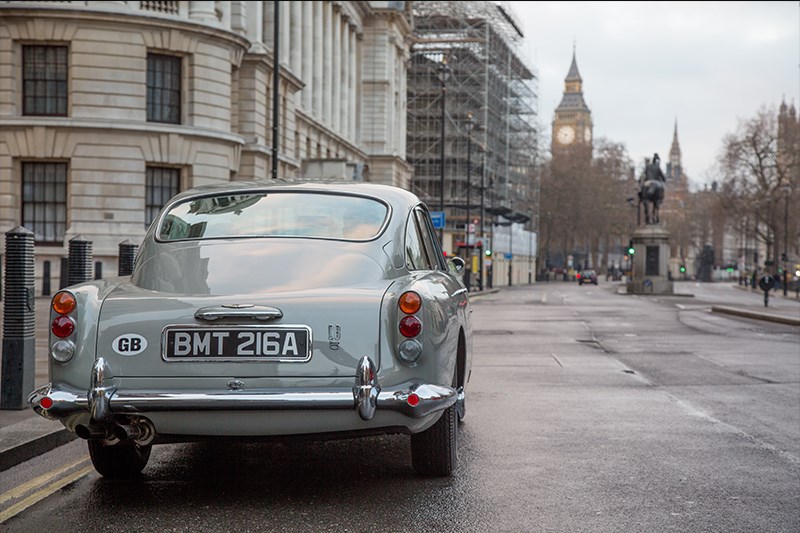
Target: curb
<point x="756" y="315"/>
<point x="27" y="439"/>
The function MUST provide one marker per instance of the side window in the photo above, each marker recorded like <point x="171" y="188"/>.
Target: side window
<point x="416" y="256"/>
<point x="429" y="240"/>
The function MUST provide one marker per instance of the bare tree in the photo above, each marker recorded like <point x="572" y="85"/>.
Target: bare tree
<point x="757" y="176"/>
<point x="583" y="203"/>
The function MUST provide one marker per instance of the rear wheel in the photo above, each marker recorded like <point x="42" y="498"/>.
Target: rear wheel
<point x="434" y="452"/>
<point x="121" y="461"/>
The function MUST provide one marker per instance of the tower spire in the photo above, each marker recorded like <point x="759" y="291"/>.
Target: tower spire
<point x="674" y="170"/>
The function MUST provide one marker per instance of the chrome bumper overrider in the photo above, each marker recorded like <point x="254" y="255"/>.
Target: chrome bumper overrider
<point x="103" y="400"/>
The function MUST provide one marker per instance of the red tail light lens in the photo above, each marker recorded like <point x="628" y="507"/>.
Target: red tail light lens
<point x="413" y="399"/>
<point x="62" y="326"/>
<point x="410" y="302"/>
<point x="46" y="402"/>
<point x="410" y="326"/>
<point x="64" y="303"/>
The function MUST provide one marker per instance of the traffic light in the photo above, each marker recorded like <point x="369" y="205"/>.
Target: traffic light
<point x="631" y="249"/>
<point x="683" y="269"/>
<point x="488" y="253"/>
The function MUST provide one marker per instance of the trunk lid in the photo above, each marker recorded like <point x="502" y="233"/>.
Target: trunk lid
<point x="154" y="327"/>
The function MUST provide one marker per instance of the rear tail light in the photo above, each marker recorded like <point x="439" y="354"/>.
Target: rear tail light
<point x="63" y="326"/>
<point x="410" y="326"/>
<point x="409" y="350"/>
<point x="46" y="402"/>
<point x="410" y="302"/>
<point x="64" y="303"/>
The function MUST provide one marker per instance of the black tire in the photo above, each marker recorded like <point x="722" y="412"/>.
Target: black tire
<point x="434" y="452"/>
<point x="121" y="461"/>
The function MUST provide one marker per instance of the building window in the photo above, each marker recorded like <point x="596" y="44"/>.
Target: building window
<point x="163" y="88"/>
<point x="162" y="183"/>
<point x="44" y="80"/>
<point x="44" y="201"/>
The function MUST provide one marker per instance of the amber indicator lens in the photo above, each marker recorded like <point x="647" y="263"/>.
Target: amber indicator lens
<point x="64" y="303"/>
<point x="410" y="302"/>
<point x="62" y="326"/>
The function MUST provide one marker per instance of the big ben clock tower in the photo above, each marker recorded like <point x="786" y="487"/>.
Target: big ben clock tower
<point x="572" y="124"/>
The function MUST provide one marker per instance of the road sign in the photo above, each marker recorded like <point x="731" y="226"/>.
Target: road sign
<point x="507" y="255"/>
<point x="437" y="217"/>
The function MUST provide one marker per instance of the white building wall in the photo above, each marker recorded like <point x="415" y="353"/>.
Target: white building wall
<point x="327" y="81"/>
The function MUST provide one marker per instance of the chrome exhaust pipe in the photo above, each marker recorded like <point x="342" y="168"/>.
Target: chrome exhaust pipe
<point x="141" y="431"/>
<point x="92" y="432"/>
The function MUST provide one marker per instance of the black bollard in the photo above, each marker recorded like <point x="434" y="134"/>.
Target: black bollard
<point x="46" y="278"/>
<point x="127" y="257"/>
<point x="63" y="273"/>
<point x="80" y="260"/>
<point x="19" y="335"/>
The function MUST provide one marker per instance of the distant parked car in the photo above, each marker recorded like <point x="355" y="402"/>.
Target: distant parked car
<point x="587" y="276"/>
<point x="268" y="309"/>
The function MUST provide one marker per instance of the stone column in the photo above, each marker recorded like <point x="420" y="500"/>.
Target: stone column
<point x="353" y="88"/>
<point x="308" y="55"/>
<point x="344" y="104"/>
<point x="318" y="57"/>
<point x="337" y="71"/>
<point x="255" y="25"/>
<point x="327" y="64"/>
<point x="297" y="39"/>
<point x="202" y="10"/>
<point x="286" y="32"/>
<point x="268" y="24"/>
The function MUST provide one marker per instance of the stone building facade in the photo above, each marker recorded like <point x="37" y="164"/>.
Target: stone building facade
<point x="108" y="108"/>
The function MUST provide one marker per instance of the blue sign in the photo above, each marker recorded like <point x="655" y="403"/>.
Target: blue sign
<point x="437" y="217"/>
<point x="507" y="255"/>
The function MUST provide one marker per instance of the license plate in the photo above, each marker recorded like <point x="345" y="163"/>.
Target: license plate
<point x="275" y="343"/>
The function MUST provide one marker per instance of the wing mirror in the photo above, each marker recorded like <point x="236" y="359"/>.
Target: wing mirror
<point x="457" y="264"/>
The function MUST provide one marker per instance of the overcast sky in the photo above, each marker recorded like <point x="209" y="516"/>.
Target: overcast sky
<point x="646" y="64"/>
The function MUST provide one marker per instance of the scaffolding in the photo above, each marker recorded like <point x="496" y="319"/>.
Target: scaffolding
<point x="481" y="44"/>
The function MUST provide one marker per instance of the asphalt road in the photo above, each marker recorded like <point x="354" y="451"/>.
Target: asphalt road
<point x="587" y="411"/>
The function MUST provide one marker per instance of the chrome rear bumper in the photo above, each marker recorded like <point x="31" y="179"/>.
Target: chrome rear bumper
<point x="103" y="400"/>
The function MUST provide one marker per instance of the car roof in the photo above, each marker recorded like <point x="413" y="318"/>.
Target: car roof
<point x="389" y="193"/>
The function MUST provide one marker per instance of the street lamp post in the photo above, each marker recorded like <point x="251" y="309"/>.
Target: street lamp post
<point x="443" y="72"/>
<point x="483" y="235"/>
<point x="468" y="270"/>
<point x="510" y="251"/>
<point x="785" y="239"/>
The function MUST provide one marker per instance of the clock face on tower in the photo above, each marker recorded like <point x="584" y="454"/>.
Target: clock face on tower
<point x="565" y="134"/>
<point x="587" y="135"/>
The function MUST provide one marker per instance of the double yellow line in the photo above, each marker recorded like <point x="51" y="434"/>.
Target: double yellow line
<point x="43" y="487"/>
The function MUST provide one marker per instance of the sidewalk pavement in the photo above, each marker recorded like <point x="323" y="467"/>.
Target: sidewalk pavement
<point x="24" y="434"/>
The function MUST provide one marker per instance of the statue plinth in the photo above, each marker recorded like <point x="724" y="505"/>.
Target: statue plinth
<point x="650" y="261"/>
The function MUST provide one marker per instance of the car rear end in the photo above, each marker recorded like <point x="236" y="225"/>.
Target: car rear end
<point x="233" y="331"/>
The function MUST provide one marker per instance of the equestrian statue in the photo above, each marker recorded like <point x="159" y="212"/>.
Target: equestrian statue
<point x="651" y="189"/>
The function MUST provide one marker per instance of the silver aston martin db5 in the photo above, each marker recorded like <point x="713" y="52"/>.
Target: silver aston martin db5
<point x="268" y="309"/>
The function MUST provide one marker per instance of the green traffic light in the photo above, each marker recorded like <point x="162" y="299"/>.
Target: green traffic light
<point x="488" y="253"/>
<point x="631" y="251"/>
<point x="683" y="269"/>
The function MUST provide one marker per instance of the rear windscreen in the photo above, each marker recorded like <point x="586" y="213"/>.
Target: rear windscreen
<point x="278" y="214"/>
